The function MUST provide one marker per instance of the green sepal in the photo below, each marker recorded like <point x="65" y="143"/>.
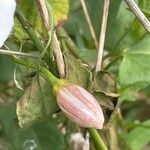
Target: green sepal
<point x="58" y="85"/>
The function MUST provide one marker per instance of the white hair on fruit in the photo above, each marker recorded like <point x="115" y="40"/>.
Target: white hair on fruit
<point x="7" y="9"/>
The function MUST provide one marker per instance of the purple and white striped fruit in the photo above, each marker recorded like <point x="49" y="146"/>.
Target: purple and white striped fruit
<point x="80" y="106"/>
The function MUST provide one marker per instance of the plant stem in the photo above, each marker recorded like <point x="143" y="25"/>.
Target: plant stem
<point x="99" y="143"/>
<point x="116" y="47"/>
<point x="113" y="61"/>
<point x="42" y="70"/>
<point x="102" y="35"/>
<point x="58" y="56"/>
<point x="67" y="43"/>
<point x="30" y="31"/>
<point x="22" y="54"/>
<point x="87" y="16"/>
<point x="48" y="22"/>
<point x="32" y="34"/>
<point x="48" y="75"/>
<point x="46" y="12"/>
<point x="139" y="14"/>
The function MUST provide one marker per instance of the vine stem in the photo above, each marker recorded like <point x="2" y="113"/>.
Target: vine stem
<point x="87" y="16"/>
<point x="30" y="31"/>
<point x="67" y="43"/>
<point x="48" y="22"/>
<point x="44" y="13"/>
<point x="99" y="143"/>
<point x="45" y="9"/>
<point x="113" y="61"/>
<point x="59" y="56"/>
<point x="34" y="38"/>
<point x="102" y="35"/>
<point x="42" y="70"/>
<point x="22" y="54"/>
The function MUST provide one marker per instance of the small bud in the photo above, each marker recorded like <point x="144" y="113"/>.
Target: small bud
<point x="80" y="106"/>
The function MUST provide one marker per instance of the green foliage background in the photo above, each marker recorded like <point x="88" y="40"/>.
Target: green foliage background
<point x="129" y="77"/>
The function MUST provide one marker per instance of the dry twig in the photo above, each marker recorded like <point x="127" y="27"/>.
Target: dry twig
<point x="59" y="56"/>
<point x="22" y="54"/>
<point x="102" y="34"/>
<point x="57" y="50"/>
<point x="87" y="16"/>
<point x="138" y="13"/>
<point x="44" y="13"/>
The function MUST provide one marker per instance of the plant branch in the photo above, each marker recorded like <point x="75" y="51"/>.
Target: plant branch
<point x="30" y="31"/>
<point x="34" y="38"/>
<point x="59" y="56"/>
<point x="56" y="46"/>
<point x="87" y="16"/>
<point x="139" y="14"/>
<point x="62" y="34"/>
<point x="98" y="141"/>
<point x="114" y="60"/>
<point x="42" y="70"/>
<point x="44" y="13"/>
<point x="22" y="54"/>
<point x="102" y="34"/>
<point x="48" y="21"/>
<point x="67" y="42"/>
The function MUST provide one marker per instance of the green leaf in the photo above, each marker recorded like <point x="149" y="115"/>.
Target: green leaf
<point x="102" y="88"/>
<point x="77" y="72"/>
<point x="7" y="115"/>
<point x="129" y="92"/>
<point x="61" y="8"/>
<point x="104" y="81"/>
<point x="4" y="145"/>
<point x="48" y="135"/>
<point x="40" y="136"/>
<point x="50" y="104"/>
<point x="105" y="101"/>
<point x="128" y="30"/>
<point x="6" y="68"/>
<point x="138" y="137"/>
<point x="33" y="17"/>
<point x="36" y="104"/>
<point x="135" y="67"/>
<point x="89" y="55"/>
<point x="60" y="11"/>
<point x="81" y="29"/>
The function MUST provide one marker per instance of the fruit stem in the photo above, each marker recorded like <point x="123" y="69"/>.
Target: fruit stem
<point x="99" y="143"/>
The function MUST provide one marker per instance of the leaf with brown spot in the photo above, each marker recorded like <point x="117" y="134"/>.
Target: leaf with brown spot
<point x="105" y="101"/>
<point x="77" y="72"/>
<point x="36" y="103"/>
<point x="104" y="81"/>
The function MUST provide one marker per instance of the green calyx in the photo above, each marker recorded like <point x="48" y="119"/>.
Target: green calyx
<point x="59" y="84"/>
<point x="54" y="81"/>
